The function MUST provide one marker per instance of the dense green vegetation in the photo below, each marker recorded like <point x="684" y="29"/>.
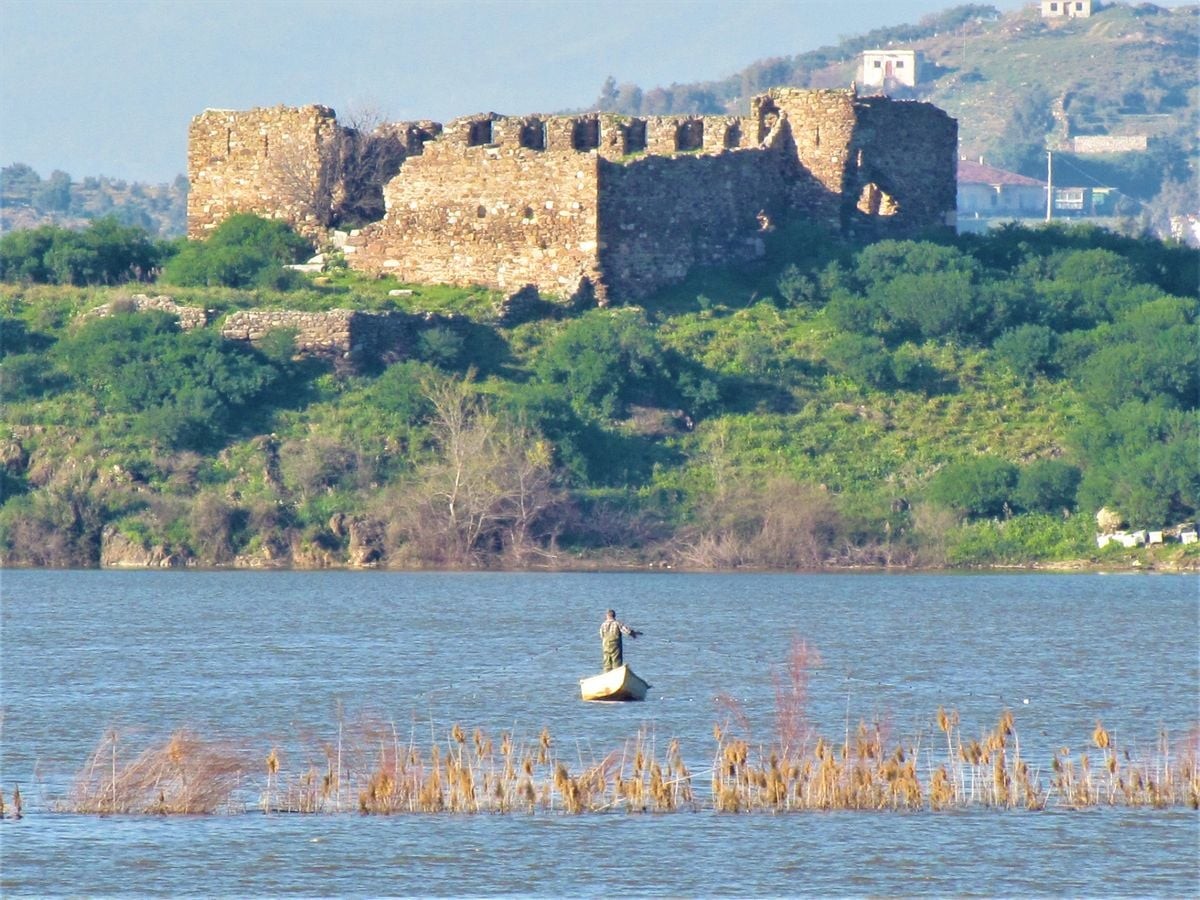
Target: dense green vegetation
<point x="953" y="401"/>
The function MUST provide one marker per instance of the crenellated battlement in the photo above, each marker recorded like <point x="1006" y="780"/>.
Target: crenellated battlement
<point x="614" y="205"/>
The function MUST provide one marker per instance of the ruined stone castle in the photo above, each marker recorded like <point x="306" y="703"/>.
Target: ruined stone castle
<point x="614" y="206"/>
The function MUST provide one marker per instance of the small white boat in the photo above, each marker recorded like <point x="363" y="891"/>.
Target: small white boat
<point x="617" y="684"/>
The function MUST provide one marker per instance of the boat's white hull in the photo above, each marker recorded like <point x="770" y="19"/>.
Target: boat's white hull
<point x="618" y="684"/>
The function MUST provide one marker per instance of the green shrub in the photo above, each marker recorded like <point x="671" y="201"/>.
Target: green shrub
<point x="1047" y="486"/>
<point x="1027" y="349"/>
<point x="243" y="251"/>
<point x="106" y="252"/>
<point x="186" y="388"/>
<point x="606" y="360"/>
<point x="863" y="358"/>
<point x="976" y="487"/>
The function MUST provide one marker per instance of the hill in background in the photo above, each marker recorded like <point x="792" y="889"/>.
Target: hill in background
<point x="1018" y="85"/>
<point x="27" y="200"/>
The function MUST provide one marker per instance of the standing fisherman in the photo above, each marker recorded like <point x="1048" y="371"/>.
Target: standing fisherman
<point x="610" y="640"/>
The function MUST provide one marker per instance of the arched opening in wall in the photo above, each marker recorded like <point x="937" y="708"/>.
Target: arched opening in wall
<point x="875" y="201"/>
<point x="733" y="137"/>
<point x="585" y="134"/>
<point x="533" y="134"/>
<point x="768" y="118"/>
<point x="689" y="135"/>
<point x="635" y="136"/>
<point x="480" y="133"/>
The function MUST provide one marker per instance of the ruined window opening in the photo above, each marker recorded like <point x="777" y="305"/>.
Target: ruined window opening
<point x="481" y="212"/>
<point x="733" y="136"/>
<point x="635" y="136"/>
<point x="533" y="135"/>
<point x="228" y="141"/>
<point x="817" y="136"/>
<point x="874" y="201"/>
<point x="585" y="134"/>
<point x="689" y="135"/>
<point x="480" y="134"/>
<point x="266" y="147"/>
<point x="528" y="214"/>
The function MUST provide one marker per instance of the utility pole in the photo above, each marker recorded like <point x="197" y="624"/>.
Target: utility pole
<point x="1049" y="184"/>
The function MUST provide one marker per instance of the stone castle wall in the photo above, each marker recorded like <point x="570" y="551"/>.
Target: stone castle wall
<point x="662" y="217"/>
<point x="295" y="164"/>
<point x="820" y="127"/>
<point x="272" y="162"/>
<point x="894" y="195"/>
<point x="615" y="204"/>
<point x="497" y="215"/>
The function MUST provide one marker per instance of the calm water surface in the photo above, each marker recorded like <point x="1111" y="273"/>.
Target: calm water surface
<point x="262" y="658"/>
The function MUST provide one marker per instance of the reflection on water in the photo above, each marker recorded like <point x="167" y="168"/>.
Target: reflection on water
<point x="285" y="657"/>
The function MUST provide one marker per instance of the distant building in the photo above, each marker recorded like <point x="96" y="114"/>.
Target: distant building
<point x="986" y="192"/>
<point x="1072" y="9"/>
<point x="881" y="66"/>
<point x="1110" y="143"/>
<point x="1075" y="202"/>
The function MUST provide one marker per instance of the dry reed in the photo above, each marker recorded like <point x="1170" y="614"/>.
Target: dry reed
<point x="183" y="775"/>
<point x="372" y="770"/>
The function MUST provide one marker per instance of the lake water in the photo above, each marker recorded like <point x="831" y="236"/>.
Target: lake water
<point x="281" y="658"/>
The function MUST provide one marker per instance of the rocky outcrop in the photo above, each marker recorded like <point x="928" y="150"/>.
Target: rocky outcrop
<point x="120" y="551"/>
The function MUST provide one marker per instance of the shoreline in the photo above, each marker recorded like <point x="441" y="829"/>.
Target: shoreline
<point x="1190" y="565"/>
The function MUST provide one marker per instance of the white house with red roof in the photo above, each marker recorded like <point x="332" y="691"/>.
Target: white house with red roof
<point x="985" y="192"/>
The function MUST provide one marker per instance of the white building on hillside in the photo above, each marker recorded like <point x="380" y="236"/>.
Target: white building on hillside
<point x="1073" y="9"/>
<point x="881" y="66"/>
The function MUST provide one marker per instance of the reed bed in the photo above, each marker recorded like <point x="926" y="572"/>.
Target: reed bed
<point x="382" y="774"/>
<point x="371" y="769"/>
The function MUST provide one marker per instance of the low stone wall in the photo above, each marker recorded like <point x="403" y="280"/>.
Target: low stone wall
<point x="316" y="333"/>
<point x="1109" y="143"/>
<point x="189" y="316"/>
<point x="345" y="336"/>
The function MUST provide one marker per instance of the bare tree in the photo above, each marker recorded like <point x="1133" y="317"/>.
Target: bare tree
<point x="368" y="154"/>
<point x="491" y="492"/>
<point x="335" y="174"/>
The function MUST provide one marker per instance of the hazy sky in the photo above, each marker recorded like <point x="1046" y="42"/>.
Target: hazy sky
<point x="107" y="87"/>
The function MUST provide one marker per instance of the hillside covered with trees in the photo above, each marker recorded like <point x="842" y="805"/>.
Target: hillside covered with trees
<point x="27" y="200"/>
<point x="969" y="401"/>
